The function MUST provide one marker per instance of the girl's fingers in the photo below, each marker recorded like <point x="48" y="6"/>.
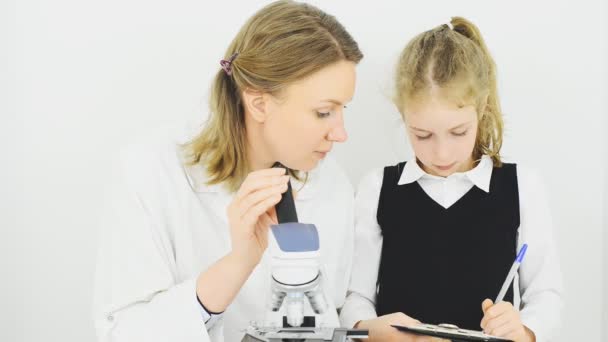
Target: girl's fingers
<point x="507" y="329"/>
<point x="495" y="310"/>
<point x="496" y="322"/>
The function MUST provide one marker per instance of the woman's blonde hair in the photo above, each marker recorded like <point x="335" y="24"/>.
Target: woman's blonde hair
<point x="280" y="44"/>
<point x="456" y="60"/>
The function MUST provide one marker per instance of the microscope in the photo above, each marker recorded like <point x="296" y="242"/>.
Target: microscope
<point x="297" y="298"/>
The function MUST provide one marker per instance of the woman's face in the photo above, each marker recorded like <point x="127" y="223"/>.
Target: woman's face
<point x="442" y="135"/>
<point x="307" y="118"/>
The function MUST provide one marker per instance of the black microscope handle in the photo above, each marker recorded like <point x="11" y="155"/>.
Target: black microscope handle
<point x="286" y="208"/>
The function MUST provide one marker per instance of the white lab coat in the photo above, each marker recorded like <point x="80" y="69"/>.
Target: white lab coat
<point x="162" y="226"/>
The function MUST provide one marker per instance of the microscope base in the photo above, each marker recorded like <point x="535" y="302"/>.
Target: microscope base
<point x="302" y="334"/>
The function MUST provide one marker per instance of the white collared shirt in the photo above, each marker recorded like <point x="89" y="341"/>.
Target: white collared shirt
<point x="163" y="226"/>
<point x="539" y="294"/>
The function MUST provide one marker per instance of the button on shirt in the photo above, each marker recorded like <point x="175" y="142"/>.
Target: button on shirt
<point x="162" y="226"/>
<point x="539" y="290"/>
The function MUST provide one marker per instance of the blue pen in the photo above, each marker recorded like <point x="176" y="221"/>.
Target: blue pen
<point x="511" y="275"/>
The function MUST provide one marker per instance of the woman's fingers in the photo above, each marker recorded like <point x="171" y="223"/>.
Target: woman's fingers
<point x="250" y="217"/>
<point x="258" y="196"/>
<point x="261" y="179"/>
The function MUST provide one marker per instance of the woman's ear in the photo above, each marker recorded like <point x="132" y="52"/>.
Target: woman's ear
<point x="255" y="104"/>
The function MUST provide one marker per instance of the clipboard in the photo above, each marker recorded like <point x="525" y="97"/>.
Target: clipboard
<point x="451" y="332"/>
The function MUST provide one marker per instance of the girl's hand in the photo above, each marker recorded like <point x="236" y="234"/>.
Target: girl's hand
<point x="380" y="329"/>
<point x="502" y="320"/>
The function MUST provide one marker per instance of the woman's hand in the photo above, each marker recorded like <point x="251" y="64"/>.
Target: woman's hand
<point x="251" y="213"/>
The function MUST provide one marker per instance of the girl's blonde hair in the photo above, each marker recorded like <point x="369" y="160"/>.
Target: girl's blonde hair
<point x="280" y="44"/>
<point x="456" y="60"/>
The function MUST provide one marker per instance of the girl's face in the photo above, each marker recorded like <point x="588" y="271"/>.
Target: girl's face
<point x="302" y="124"/>
<point x="442" y="135"/>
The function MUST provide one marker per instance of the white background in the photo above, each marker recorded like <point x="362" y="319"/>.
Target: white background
<point x="79" y="78"/>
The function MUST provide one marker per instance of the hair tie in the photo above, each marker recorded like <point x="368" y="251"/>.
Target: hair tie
<point x="227" y="64"/>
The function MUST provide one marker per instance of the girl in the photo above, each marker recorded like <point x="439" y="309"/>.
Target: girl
<point x="437" y="235"/>
<point x="182" y="254"/>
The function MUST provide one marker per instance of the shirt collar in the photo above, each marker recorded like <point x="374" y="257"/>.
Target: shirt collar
<point x="480" y="175"/>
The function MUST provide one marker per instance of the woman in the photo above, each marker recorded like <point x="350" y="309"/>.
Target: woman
<point x="182" y="256"/>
